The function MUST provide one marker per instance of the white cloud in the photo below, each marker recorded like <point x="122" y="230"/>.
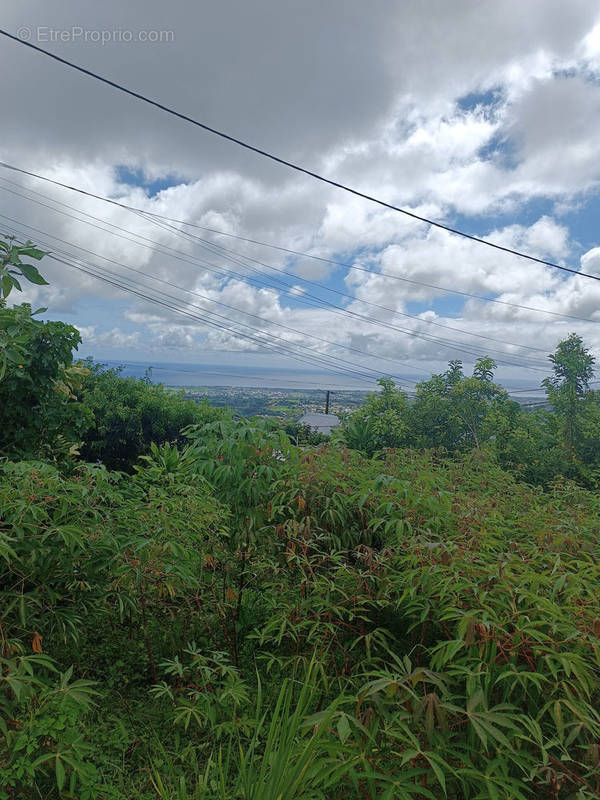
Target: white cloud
<point x="376" y="98"/>
<point x="111" y="339"/>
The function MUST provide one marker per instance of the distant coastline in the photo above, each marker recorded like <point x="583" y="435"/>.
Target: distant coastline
<point x="198" y="376"/>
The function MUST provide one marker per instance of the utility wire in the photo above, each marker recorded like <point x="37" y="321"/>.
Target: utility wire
<point x="290" y="164"/>
<point x="322" y="359"/>
<point x="211" y="246"/>
<point x="200" y="371"/>
<point x="204" y="320"/>
<point x="304" y="298"/>
<point x="112" y="364"/>
<point x="539" y="388"/>
<point x="357" y="299"/>
<point x="287" y="250"/>
<point x="334" y="309"/>
<point x="110" y="278"/>
<point x="224" y="305"/>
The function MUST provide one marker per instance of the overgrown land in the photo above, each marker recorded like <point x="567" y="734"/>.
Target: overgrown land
<point x="198" y="606"/>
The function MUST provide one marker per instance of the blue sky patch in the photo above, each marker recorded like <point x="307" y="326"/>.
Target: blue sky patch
<point x="135" y="176"/>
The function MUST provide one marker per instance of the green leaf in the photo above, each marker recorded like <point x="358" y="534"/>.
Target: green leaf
<point x="7" y="284"/>
<point x="439" y="773"/>
<point x="60" y="773"/>
<point x="343" y="728"/>
<point x="32" y="252"/>
<point x="32" y="274"/>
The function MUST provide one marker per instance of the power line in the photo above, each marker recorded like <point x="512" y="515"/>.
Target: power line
<point x="539" y="388"/>
<point x="225" y="305"/>
<point x="206" y="244"/>
<point x="200" y="372"/>
<point x="334" y="309"/>
<point x="206" y="321"/>
<point x="358" y="268"/>
<point x="322" y="359"/>
<point x="111" y="363"/>
<point x="284" y="162"/>
<point x="289" y="251"/>
<point x="285" y="350"/>
<point x="359" y="300"/>
<point x="305" y="298"/>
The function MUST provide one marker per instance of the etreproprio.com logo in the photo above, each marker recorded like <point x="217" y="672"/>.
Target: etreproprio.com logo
<point x="77" y="33"/>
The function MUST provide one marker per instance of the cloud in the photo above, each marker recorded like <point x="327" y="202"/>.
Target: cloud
<point x="111" y="339"/>
<point x="487" y="125"/>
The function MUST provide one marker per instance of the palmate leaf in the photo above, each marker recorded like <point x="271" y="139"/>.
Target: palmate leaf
<point x="489" y="723"/>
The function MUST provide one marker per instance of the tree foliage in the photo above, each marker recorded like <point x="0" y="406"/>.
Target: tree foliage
<point x="129" y="415"/>
<point x="13" y="269"/>
<point x="573" y="368"/>
<point x="39" y="410"/>
<point x="381" y="422"/>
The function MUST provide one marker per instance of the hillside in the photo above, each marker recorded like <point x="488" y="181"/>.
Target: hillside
<point x="195" y="606"/>
<point x="322" y="625"/>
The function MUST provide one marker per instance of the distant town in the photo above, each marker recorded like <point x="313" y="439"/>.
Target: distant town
<point x="287" y="404"/>
<point x="290" y="404"/>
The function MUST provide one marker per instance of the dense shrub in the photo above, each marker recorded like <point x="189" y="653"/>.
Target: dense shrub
<point x="92" y="565"/>
<point x="265" y="621"/>
<point x="39" y="412"/>
<point x="129" y="414"/>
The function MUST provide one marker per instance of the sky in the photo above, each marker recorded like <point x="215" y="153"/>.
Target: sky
<point x="480" y="115"/>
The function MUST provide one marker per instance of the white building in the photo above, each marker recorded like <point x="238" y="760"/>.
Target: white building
<point x="322" y="423"/>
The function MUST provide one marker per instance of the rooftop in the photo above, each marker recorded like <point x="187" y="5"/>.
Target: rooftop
<point x="323" y="423"/>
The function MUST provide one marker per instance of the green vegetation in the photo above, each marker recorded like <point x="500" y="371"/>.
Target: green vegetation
<point x="454" y="414"/>
<point x="129" y="415"/>
<point x="285" y="404"/>
<point x="392" y="614"/>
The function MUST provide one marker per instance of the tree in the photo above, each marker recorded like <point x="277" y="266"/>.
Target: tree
<point x="472" y="398"/>
<point x="458" y="412"/>
<point x="383" y="420"/>
<point x="39" y="412"/>
<point x="434" y="420"/>
<point x="573" y="368"/>
<point x="129" y="414"/>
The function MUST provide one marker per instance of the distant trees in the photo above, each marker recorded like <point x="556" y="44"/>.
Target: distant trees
<point x="381" y="422"/>
<point x="458" y="412"/>
<point x="455" y="412"/>
<point x="450" y="411"/>
<point x="573" y="368"/>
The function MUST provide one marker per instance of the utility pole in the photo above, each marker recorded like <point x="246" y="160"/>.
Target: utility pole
<point x="327" y="402"/>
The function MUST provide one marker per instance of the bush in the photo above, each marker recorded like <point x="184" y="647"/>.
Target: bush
<point x="39" y="412"/>
<point x="129" y="414"/>
<point x="406" y="625"/>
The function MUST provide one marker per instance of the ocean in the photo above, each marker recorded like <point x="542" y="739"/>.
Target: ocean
<point x="179" y="374"/>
